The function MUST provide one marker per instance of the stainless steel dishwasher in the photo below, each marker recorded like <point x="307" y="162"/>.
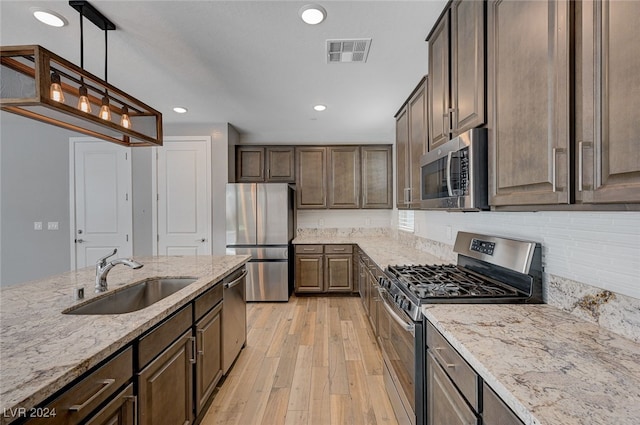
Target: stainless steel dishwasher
<point x="234" y="317"/>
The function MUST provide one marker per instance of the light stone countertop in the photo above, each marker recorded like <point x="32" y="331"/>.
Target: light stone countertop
<point x="383" y="250"/>
<point x="549" y="366"/>
<point x="42" y="350"/>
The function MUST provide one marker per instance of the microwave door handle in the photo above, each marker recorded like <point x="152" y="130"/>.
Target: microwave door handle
<point x="449" y="159"/>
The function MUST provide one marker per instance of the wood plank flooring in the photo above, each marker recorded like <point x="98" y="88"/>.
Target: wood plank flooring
<point x="311" y="361"/>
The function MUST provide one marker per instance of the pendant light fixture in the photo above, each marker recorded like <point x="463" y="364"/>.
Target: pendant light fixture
<point x="41" y="85"/>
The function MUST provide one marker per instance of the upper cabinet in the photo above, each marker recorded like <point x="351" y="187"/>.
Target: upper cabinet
<point x="607" y="99"/>
<point x="257" y="164"/>
<point x="411" y="144"/>
<point x="528" y="82"/>
<point x="340" y="177"/>
<point x="456" y="87"/>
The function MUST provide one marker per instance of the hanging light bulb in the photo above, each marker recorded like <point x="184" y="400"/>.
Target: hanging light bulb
<point x="125" y="121"/>
<point x="55" y="90"/>
<point x="105" y="110"/>
<point x="83" y="100"/>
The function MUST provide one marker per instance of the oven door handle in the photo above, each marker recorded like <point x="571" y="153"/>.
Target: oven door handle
<point x="409" y="327"/>
<point x="449" y="160"/>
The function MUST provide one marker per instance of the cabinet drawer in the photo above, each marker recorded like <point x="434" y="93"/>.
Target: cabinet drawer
<point x="456" y="367"/>
<point x="309" y="249"/>
<point x="208" y="300"/>
<point x="74" y="404"/>
<point x="338" y="249"/>
<point x="158" y="339"/>
<point x="495" y="412"/>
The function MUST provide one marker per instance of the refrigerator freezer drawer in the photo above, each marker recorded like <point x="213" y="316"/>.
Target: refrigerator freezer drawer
<point x="268" y="281"/>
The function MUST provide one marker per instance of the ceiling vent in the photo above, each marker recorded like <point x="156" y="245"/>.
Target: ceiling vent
<point x="353" y="50"/>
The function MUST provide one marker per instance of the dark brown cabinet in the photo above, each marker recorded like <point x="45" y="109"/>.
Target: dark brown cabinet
<point x="495" y="411"/>
<point x="311" y="177"/>
<point x="208" y="331"/>
<point x="456" y="85"/>
<point x="321" y="269"/>
<point x="528" y="82"/>
<point x="165" y="385"/>
<point x="411" y="144"/>
<point x="120" y="411"/>
<point x="344" y="177"/>
<point x="255" y="164"/>
<point x="377" y="176"/>
<point x="607" y="142"/>
<point x="340" y="177"/>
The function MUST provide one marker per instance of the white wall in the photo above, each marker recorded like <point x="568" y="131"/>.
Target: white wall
<point x="597" y="248"/>
<point x="34" y="187"/>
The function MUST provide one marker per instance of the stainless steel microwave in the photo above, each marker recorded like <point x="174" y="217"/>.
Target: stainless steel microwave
<point x="454" y="175"/>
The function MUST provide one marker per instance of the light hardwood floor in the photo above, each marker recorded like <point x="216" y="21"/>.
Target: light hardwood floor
<point x="311" y="361"/>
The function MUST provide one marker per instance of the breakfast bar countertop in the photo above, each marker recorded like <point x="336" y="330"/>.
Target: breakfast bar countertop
<point x="42" y="349"/>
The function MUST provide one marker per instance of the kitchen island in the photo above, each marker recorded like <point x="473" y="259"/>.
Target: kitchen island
<point x="42" y="350"/>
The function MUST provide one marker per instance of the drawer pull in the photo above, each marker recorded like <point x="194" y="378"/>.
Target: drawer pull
<point x="338" y="249"/>
<point x="308" y="249"/>
<point x="193" y="358"/>
<point x="201" y="333"/>
<point x="105" y="384"/>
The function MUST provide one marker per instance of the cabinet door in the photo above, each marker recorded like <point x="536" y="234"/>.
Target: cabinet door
<point x="417" y="142"/>
<point x="439" y="102"/>
<point x="209" y="356"/>
<point x="309" y="273"/>
<point x="402" y="155"/>
<point x="445" y="405"/>
<point x="528" y="67"/>
<point x="249" y="164"/>
<point x="120" y="411"/>
<point x="344" y="177"/>
<point x="339" y="272"/>
<point x="280" y="164"/>
<point x="165" y="386"/>
<point x="607" y="102"/>
<point x="377" y="180"/>
<point x="467" y="65"/>
<point x="373" y="301"/>
<point x="311" y="177"/>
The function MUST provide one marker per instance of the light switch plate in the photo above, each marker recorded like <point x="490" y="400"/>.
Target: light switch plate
<point x="52" y="225"/>
<point x="37" y="225"/>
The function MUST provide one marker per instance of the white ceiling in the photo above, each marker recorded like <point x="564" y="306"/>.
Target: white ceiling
<point x="253" y="64"/>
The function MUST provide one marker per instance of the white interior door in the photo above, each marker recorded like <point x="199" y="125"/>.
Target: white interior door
<point x="103" y="220"/>
<point x="184" y="196"/>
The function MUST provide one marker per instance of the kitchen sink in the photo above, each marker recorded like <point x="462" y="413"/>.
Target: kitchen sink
<point x="135" y="297"/>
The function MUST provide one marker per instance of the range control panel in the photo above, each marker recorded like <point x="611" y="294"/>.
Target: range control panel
<point x="483" y="247"/>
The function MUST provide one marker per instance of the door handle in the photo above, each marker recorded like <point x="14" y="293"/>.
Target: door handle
<point x="235" y="281"/>
<point x="203" y="240"/>
<point x="581" y="146"/>
<point x="449" y="158"/>
<point x="79" y="240"/>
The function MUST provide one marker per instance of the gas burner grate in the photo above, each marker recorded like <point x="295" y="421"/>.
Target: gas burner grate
<point x="448" y="281"/>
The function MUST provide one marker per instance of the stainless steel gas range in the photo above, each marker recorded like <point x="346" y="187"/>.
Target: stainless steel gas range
<point x="489" y="269"/>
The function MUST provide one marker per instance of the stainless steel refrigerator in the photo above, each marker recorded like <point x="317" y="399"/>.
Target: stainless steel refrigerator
<point x="261" y="223"/>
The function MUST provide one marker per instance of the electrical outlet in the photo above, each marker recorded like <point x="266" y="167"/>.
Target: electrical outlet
<point x="37" y="225"/>
<point x="52" y="225"/>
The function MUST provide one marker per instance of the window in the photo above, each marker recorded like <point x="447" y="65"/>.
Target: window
<point x="406" y="220"/>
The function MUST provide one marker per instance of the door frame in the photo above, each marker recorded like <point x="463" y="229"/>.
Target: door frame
<point x="154" y="186"/>
<point x="72" y="194"/>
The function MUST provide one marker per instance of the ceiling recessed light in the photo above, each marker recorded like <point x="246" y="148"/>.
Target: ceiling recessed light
<point x="313" y="14"/>
<point x="49" y="17"/>
<point x="319" y="108"/>
<point x="180" y="110"/>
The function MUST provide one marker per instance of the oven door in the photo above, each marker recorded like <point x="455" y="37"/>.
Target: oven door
<point x="397" y="340"/>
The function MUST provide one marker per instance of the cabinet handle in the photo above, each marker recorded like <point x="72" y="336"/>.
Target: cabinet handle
<point x="134" y="401"/>
<point x="105" y="384"/>
<point x="338" y="249"/>
<point x="407" y="195"/>
<point x="308" y="249"/>
<point x="201" y="333"/>
<point x="193" y="350"/>
<point x="554" y="166"/>
<point x="581" y="146"/>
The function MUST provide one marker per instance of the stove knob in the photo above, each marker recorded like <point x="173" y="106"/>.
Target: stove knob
<point x="404" y="304"/>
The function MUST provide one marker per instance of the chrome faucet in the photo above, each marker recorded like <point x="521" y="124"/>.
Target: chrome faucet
<point x="103" y="268"/>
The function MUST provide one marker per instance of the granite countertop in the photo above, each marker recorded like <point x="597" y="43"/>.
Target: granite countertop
<point x="549" y="366"/>
<point x="383" y="250"/>
<point x="42" y="350"/>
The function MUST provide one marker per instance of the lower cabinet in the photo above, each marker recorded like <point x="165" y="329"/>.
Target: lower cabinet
<point x="324" y="268"/>
<point x="121" y="410"/>
<point x="208" y="356"/>
<point x="165" y="385"/>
